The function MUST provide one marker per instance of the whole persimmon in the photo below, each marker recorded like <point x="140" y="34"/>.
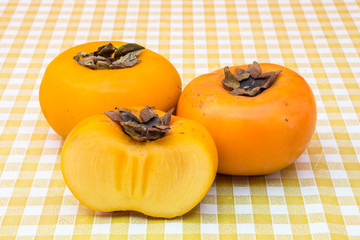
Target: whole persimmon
<point x="139" y="159"/>
<point x="262" y="116"/>
<point x="90" y="78"/>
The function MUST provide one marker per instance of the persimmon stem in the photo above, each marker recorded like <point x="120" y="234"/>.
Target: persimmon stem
<point x="124" y="57"/>
<point x="148" y="128"/>
<point x="250" y="82"/>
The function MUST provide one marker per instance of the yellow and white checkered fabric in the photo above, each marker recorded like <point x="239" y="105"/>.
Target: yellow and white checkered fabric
<point x="318" y="196"/>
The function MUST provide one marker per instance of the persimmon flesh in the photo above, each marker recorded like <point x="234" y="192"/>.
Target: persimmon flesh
<point x="254" y="135"/>
<point x="109" y="171"/>
<point x="70" y="92"/>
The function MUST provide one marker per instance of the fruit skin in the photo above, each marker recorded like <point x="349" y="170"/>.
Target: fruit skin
<point x="254" y="135"/>
<point x="108" y="171"/>
<point x="70" y="92"/>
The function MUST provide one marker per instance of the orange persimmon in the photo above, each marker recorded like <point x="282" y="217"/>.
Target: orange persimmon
<point x="108" y="170"/>
<point x="254" y="135"/>
<point x="70" y="92"/>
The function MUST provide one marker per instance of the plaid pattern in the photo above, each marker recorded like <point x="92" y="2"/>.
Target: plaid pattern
<point x="318" y="196"/>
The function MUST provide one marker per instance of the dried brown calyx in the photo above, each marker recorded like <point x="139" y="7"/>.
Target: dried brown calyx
<point x="148" y="128"/>
<point x="250" y="82"/>
<point x="124" y="57"/>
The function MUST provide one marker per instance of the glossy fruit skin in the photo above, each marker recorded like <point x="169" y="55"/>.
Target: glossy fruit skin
<point x="108" y="171"/>
<point x="70" y="92"/>
<point x="254" y="135"/>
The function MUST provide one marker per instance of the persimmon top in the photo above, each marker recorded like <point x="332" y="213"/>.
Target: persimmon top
<point x="149" y="128"/>
<point x="124" y="57"/>
<point x="250" y="82"/>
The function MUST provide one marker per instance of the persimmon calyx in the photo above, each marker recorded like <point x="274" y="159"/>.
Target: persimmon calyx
<point x="124" y="57"/>
<point x="148" y="128"/>
<point x="250" y="82"/>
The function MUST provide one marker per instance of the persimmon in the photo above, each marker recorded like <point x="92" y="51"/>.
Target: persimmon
<point x="262" y="116"/>
<point x="90" y="78"/>
<point x="146" y="161"/>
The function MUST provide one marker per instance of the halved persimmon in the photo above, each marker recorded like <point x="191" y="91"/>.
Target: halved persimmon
<point x="262" y="117"/>
<point x="139" y="159"/>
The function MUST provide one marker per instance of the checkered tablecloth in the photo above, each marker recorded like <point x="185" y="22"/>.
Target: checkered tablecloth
<point x="318" y="196"/>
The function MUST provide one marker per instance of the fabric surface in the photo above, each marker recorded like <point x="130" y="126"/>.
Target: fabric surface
<point x="318" y="196"/>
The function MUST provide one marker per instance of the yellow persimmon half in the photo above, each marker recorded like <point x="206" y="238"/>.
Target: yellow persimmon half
<point x="262" y="117"/>
<point x="108" y="170"/>
<point x="70" y="91"/>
